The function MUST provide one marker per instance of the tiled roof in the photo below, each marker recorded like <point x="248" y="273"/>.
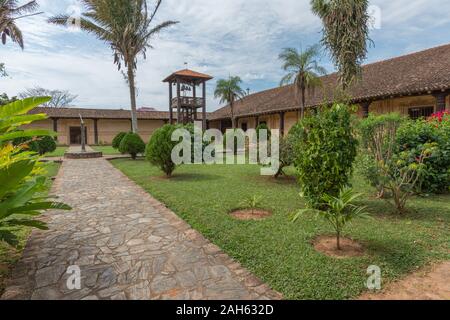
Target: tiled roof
<point x="100" y="113"/>
<point x="412" y="74"/>
<point x="186" y="73"/>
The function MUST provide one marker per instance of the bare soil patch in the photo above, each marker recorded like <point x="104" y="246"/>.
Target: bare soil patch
<point x="349" y="247"/>
<point x="248" y="214"/>
<point x="431" y="283"/>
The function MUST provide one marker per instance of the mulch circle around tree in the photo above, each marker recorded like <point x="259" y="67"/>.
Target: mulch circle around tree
<point x="327" y="246"/>
<point x="249" y="214"/>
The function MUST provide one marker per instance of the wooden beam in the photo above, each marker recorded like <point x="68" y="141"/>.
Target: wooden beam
<point x="204" y="106"/>
<point x="55" y="127"/>
<point x="282" y="114"/>
<point x="366" y="108"/>
<point x="170" y="103"/>
<point x="178" y="101"/>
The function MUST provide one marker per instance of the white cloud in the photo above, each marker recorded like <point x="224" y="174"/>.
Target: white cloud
<point x="237" y="37"/>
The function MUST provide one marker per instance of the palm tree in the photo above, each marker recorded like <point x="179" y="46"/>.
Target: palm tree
<point x="126" y="26"/>
<point x="303" y="70"/>
<point x="10" y="12"/>
<point x="229" y="91"/>
<point x="345" y="34"/>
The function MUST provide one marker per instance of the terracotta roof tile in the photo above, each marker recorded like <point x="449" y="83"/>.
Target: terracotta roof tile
<point x="186" y="73"/>
<point x="415" y="73"/>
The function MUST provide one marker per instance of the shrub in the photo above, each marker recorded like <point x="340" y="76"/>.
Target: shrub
<point x="46" y="144"/>
<point x="413" y="135"/>
<point x="117" y="140"/>
<point x="287" y="154"/>
<point x="41" y="145"/>
<point x="263" y="126"/>
<point x="325" y="150"/>
<point x="132" y="144"/>
<point x="378" y="134"/>
<point x="159" y="149"/>
<point x="21" y="182"/>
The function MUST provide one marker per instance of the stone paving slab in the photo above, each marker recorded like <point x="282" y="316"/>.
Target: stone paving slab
<point x="127" y="245"/>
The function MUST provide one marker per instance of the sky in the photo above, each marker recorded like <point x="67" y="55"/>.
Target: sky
<point x="218" y="37"/>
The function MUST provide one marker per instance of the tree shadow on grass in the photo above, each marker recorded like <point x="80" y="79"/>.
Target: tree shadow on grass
<point x="397" y="254"/>
<point x="190" y="177"/>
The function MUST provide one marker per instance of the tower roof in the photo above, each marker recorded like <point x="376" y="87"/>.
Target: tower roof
<point x="188" y="75"/>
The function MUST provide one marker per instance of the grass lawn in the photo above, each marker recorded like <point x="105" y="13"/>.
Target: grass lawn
<point x="107" y="150"/>
<point x="279" y="251"/>
<point x="8" y="255"/>
<point x="59" y="152"/>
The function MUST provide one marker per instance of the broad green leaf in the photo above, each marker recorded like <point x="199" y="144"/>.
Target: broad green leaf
<point x="9" y="237"/>
<point x="20" y="107"/>
<point x="26" y="134"/>
<point x="11" y="176"/>
<point x="17" y="121"/>
<point x="27" y="223"/>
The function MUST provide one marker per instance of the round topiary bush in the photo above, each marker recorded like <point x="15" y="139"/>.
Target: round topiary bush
<point x="132" y="144"/>
<point x="46" y="144"/>
<point x="159" y="149"/>
<point x="117" y="140"/>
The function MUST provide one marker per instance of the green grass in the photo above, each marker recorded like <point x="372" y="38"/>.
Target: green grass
<point x="8" y="255"/>
<point x="279" y="251"/>
<point x="107" y="150"/>
<point x="59" y="152"/>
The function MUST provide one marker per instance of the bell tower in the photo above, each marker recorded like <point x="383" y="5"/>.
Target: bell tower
<point x="186" y="82"/>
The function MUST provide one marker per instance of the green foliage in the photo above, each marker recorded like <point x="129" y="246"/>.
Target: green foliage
<point x="412" y="136"/>
<point x="132" y="144"/>
<point x="325" y="150"/>
<point x="378" y="134"/>
<point x="118" y="139"/>
<point x="339" y="211"/>
<point x="253" y="202"/>
<point x="263" y="126"/>
<point x="20" y="171"/>
<point x="345" y="34"/>
<point x="287" y="153"/>
<point x="159" y="149"/>
<point x="303" y="70"/>
<point x="43" y="145"/>
<point x="4" y="99"/>
<point x="229" y="91"/>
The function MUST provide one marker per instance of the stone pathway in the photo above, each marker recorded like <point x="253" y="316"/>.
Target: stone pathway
<point x="429" y="284"/>
<point x="127" y="245"/>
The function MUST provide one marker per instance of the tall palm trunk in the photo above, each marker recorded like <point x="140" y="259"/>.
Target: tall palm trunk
<point x="302" y="112"/>
<point x="233" y="118"/>
<point x="131" y="83"/>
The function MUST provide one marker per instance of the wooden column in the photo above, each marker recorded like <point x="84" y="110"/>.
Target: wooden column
<point x="256" y="122"/>
<point x="194" y="93"/>
<point x="55" y="127"/>
<point x="204" y="105"/>
<point x="170" y="103"/>
<point x="96" y="131"/>
<point x="440" y="100"/>
<point x="365" y="108"/>
<point x="178" y="101"/>
<point x="282" y="123"/>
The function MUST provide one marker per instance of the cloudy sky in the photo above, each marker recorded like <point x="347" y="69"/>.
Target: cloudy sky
<point x="218" y="37"/>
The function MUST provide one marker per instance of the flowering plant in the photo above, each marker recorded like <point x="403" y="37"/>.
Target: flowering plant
<point x="440" y="116"/>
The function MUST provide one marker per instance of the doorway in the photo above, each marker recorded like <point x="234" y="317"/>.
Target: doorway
<point x="75" y="135"/>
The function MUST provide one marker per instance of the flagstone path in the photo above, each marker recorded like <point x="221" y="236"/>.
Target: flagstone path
<point x="127" y="246"/>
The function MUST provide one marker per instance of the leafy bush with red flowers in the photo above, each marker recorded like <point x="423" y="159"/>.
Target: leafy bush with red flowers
<point x="440" y="116"/>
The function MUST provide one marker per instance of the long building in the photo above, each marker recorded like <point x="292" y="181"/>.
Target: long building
<point x="416" y="85"/>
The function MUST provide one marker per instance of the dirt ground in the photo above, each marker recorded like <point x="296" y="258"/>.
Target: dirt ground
<point x="432" y="283"/>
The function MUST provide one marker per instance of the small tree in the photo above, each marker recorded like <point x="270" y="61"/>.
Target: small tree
<point x="118" y="139"/>
<point x="159" y="149"/>
<point x="132" y="144"/>
<point x="325" y="149"/>
<point x="400" y="176"/>
<point x="252" y="203"/>
<point x="287" y="154"/>
<point x="378" y="134"/>
<point x="60" y="98"/>
<point x="339" y="211"/>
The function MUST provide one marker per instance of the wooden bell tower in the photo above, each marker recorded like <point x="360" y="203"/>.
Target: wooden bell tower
<point x="186" y="101"/>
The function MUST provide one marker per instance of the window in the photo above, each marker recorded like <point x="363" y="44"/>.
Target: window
<point x="420" y="112"/>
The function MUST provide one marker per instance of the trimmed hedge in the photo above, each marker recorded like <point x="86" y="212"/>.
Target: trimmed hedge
<point x="118" y="139"/>
<point x="132" y="144"/>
